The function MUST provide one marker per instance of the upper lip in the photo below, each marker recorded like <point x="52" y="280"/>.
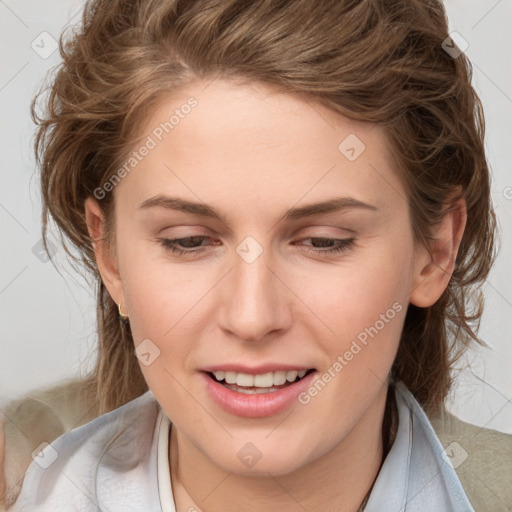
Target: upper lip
<point x="255" y="370"/>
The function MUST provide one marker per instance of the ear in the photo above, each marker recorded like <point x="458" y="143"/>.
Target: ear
<point x="105" y="258"/>
<point x="434" y="265"/>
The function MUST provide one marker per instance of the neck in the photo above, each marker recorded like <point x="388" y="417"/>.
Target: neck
<point x="338" y="481"/>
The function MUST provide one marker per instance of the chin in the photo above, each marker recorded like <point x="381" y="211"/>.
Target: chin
<point x="249" y="461"/>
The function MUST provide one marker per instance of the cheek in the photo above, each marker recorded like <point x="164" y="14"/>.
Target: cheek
<point x="364" y="305"/>
<point x="353" y="296"/>
<point x="164" y="309"/>
<point x="365" y="312"/>
<point x="159" y="292"/>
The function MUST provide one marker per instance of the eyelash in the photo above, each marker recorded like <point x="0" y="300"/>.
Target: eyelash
<point x="169" y="245"/>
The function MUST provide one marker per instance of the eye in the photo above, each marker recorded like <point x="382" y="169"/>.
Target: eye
<point x="189" y="242"/>
<point x="331" y="245"/>
<point x="192" y="244"/>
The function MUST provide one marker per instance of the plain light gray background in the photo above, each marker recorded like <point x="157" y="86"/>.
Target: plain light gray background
<point x="48" y="320"/>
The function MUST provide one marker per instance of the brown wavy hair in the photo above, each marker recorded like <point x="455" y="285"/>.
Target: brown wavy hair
<point x="371" y="60"/>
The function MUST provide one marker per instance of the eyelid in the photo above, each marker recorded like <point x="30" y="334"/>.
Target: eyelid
<point x="341" y="245"/>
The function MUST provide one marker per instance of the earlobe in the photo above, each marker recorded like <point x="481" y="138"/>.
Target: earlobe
<point x="105" y="260"/>
<point x="434" y="266"/>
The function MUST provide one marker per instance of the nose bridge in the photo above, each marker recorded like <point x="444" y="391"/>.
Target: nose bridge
<point x="254" y="301"/>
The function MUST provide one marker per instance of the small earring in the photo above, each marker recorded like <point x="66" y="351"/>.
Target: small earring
<point x="121" y="314"/>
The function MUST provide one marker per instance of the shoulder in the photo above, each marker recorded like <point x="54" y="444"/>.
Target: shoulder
<point x="103" y="451"/>
<point x="40" y="415"/>
<point x="415" y="471"/>
<point x="479" y="457"/>
<point x="482" y="459"/>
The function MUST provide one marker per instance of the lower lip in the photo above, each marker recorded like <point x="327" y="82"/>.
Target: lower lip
<point x="258" y="405"/>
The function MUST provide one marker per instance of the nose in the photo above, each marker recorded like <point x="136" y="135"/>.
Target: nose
<point x="255" y="302"/>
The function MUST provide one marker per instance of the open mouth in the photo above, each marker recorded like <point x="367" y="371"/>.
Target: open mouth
<point x="257" y="384"/>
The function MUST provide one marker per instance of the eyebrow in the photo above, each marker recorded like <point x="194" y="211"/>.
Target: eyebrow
<point x="335" y="204"/>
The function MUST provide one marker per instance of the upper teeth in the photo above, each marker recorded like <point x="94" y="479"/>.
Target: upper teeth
<point x="265" y="380"/>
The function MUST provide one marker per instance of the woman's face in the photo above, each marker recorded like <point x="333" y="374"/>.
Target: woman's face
<point x="307" y="264"/>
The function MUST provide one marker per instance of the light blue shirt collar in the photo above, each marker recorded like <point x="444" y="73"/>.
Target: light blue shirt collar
<point x="416" y="475"/>
<point x="111" y="463"/>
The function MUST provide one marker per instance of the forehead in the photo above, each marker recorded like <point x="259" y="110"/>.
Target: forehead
<point x="228" y="142"/>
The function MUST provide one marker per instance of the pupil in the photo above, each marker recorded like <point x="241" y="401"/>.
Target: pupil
<point x="322" y="242"/>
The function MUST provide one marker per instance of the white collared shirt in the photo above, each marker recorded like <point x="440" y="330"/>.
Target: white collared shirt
<point x="119" y="462"/>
